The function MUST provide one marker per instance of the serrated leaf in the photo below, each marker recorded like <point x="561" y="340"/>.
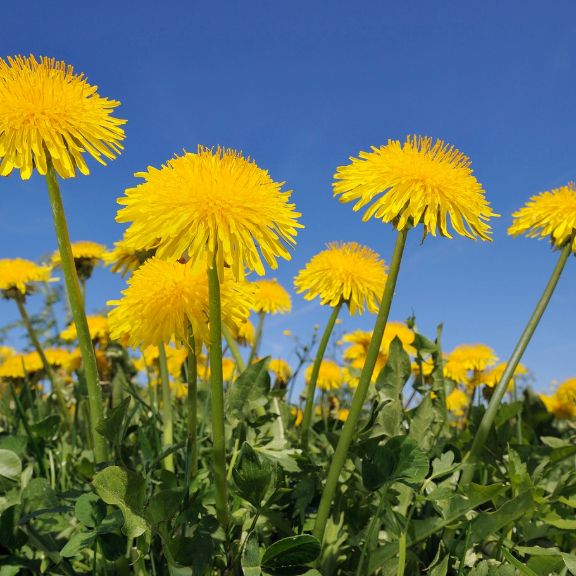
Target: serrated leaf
<point x="252" y="475"/>
<point x="251" y="387"/>
<point x="291" y="551"/>
<point x="124" y="489"/>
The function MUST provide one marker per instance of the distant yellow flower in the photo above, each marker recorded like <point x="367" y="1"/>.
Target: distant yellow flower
<point x="492" y="377"/>
<point x="427" y="367"/>
<point x="360" y="341"/>
<point x="228" y="370"/>
<point x="86" y="256"/>
<point x="164" y="298"/>
<point x="271" y="297"/>
<point x="343" y="414"/>
<point x="298" y="415"/>
<point x="6" y="352"/>
<point x="287" y="332"/>
<point x="244" y="333"/>
<point x="563" y="402"/>
<point x="346" y="272"/>
<point x="18" y="275"/>
<point x="418" y="182"/>
<point x="20" y="365"/>
<point x="212" y="203"/>
<point x="330" y="377"/>
<point x="468" y="358"/>
<point x="60" y="358"/>
<point x="49" y="113"/>
<point x="125" y="258"/>
<point x="281" y="369"/>
<point x="175" y="357"/>
<point x="97" y="325"/>
<point x="550" y="214"/>
<point x="457" y="401"/>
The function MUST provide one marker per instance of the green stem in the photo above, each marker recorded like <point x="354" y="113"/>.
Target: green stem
<point x="375" y="520"/>
<point x="233" y="345"/>
<point x="501" y="387"/>
<point x="192" y="400"/>
<point x="341" y="452"/>
<point x="257" y="337"/>
<point x="77" y="307"/>
<point x="55" y="382"/>
<point x="311" y="388"/>
<point x="217" y="398"/>
<point x="167" y="421"/>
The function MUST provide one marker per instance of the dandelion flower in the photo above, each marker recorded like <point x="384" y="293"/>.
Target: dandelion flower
<point x="298" y="415"/>
<point x="492" y="377"/>
<point x="468" y="358"/>
<point x="563" y="402"/>
<point x="228" y="370"/>
<point x="418" y="182"/>
<point x="208" y="203"/>
<point x="18" y="275"/>
<point x="347" y="272"/>
<point x="164" y="298"/>
<point x="125" y="257"/>
<point x="21" y="365"/>
<point x="49" y="113"/>
<point x="175" y="357"/>
<point x="6" y="352"/>
<point x="330" y="377"/>
<point x="86" y="256"/>
<point x="281" y="370"/>
<point x="97" y="326"/>
<point x="271" y="297"/>
<point x="245" y="333"/>
<point x="550" y="214"/>
<point x="456" y="402"/>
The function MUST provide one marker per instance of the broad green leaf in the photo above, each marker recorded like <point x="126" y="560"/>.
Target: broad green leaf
<point x="90" y="510"/>
<point x="112" y="426"/>
<point x="443" y="465"/>
<point x="78" y="543"/>
<point x="38" y="494"/>
<point x="250" y="389"/>
<point x="17" y="444"/>
<point x="163" y="506"/>
<point x="10" y="465"/>
<point x="398" y="460"/>
<point x="113" y="546"/>
<point x="521" y="566"/>
<point x="441" y="569"/>
<point x="46" y="428"/>
<point x="251" y="557"/>
<point x="422" y="429"/>
<point x="252" y="475"/>
<point x="291" y="551"/>
<point x="124" y="489"/>
<point x="560" y="523"/>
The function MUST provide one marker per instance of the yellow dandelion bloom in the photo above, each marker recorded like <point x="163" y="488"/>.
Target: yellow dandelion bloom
<point x="208" y="203"/>
<point x="83" y="251"/>
<point x="6" y="352"/>
<point x="427" y="367"/>
<point x="244" y="333"/>
<point x="49" y="113"/>
<point x="228" y="370"/>
<point x="175" y="358"/>
<point x="330" y="377"/>
<point x="469" y="357"/>
<point x="20" y="365"/>
<point x="346" y="272"/>
<point x="360" y="340"/>
<point x="17" y="275"/>
<point x="550" y="214"/>
<point x="164" y="298"/>
<point x="287" y="333"/>
<point x="97" y="325"/>
<point x="125" y="258"/>
<point x="418" y="182"/>
<point x="298" y="415"/>
<point x="456" y="402"/>
<point x="60" y="358"/>
<point x="343" y="414"/>
<point x="563" y="402"/>
<point x="281" y="369"/>
<point x="492" y="377"/>
<point x="271" y="297"/>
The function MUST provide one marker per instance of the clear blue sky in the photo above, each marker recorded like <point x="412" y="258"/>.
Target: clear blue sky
<point x="302" y="85"/>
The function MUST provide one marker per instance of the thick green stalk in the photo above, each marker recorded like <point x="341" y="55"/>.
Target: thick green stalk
<point x="192" y="401"/>
<point x="217" y="398"/>
<point x="257" y="337"/>
<point x="54" y="381"/>
<point x="77" y="307"/>
<point x="311" y="388"/>
<point x="233" y="345"/>
<point x="341" y="452"/>
<point x="490" y="414"/>
<point x="167" y="418"/>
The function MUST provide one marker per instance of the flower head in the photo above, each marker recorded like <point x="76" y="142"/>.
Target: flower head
<point x="97" y="326"/>
<point x="244" y="333"/>
<point x="125" y="257"/>
<point x="468" y="358"/>
<point x="330" y="377"/>
<point x="20" y="365"/>
<point x="563" y="402"/>
<point x="418" y="182"/>
<point x="550" y="214"/>
<point x="492" y="376"/>
<point x="212" y="203"/>
<point x="456" y="402"/>
<point x="48" y="113"/>
<point x="164" y="298"/>
<point x="281" y="370"/>
<point x="18" y="275"/>
<point x="86" y="256"/>
<point x="346" y="272"/>
<point x="271" y="297"/>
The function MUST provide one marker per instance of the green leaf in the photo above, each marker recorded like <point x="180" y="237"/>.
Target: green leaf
<point x="113" y="546"/>
<point x="398" y="460"/>
<point x="252" y="475"/>
<point x="291" y="551"/>
<point x="10" y="465"/>
<point x="163" y="506"/>
<point x="16" y="444"/>
<point x="251" y="557"/>
<point x="126" y="490"/>
<point x="38" y="494"/>
<point x="250" y="389"/>
<point x="90" y="510"/>
<point x="524" y="570"/>
<point x="112" y="426"/>
<point x="443" y="465"/>
<point x="78" y="543"/>
<point x="441" y="569"/>
<point x="47" y="427"/>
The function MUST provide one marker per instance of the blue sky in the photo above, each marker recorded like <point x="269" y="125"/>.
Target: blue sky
<point x="302" y="85"/>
